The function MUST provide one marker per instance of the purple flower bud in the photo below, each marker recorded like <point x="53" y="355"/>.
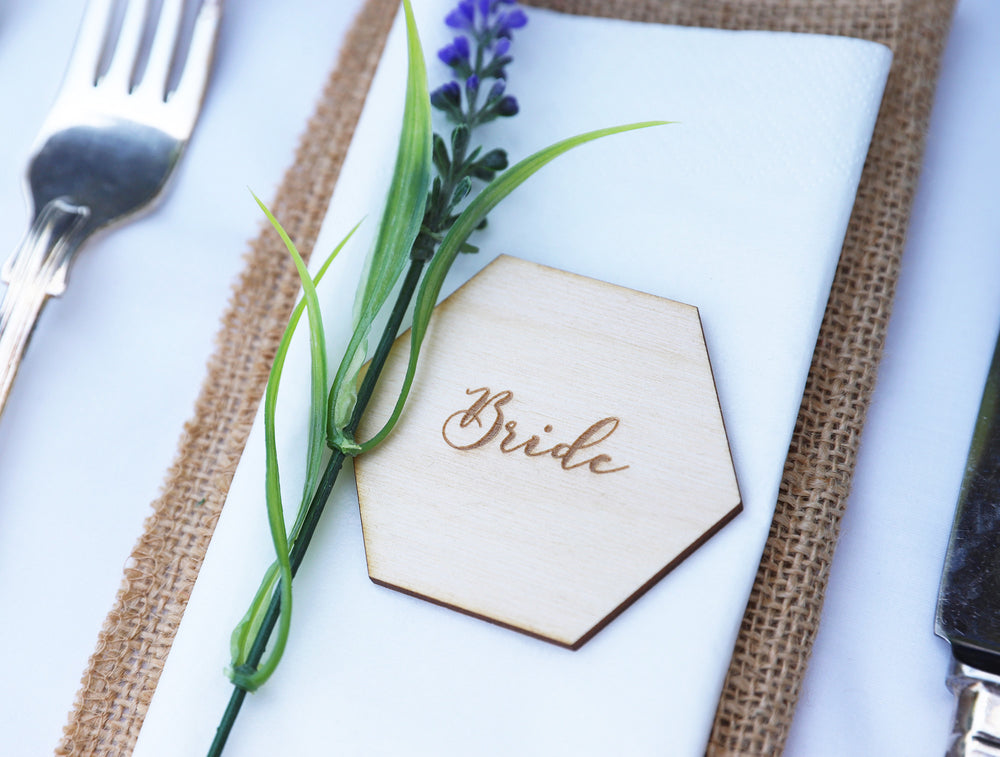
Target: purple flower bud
<point x="455" y="53"/>
<point x="462" y="16"/>
<point x="446" y="96"/>
<point x="484" y="7"/>
<point x="501" y="47"/>
<point x="507" y="22"/>
<point x="448" y="55"/>
<point x="516" y="19"/>
<point x="496" y="91"/>
<point x="472" y="83"/>
<point x="507" y="106"/>
<point x="456" y="20"/>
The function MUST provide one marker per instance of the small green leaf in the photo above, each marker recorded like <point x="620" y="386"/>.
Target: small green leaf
<point x="461" y="191"/>
<point x="473" y="155"/>
<point x="483" y="174"/>
<point x="435" y="194"/>
<point x="441" y="160"/>
<point x="456" y="237"/>
<point x="495" y="160"/>
<point x="459" y="140"/>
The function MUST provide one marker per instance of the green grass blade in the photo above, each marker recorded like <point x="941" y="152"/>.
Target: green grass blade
<point x="317" y="409"/>
<point x="456" y="237"/>
<point x="400" y="224"/>
<point x="246" y="630"/>
<point x="248" y="680"/>
<point x="317" y="348"/>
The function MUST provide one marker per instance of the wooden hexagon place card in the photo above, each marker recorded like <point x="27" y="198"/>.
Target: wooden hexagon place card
<point x="562" y="449"/>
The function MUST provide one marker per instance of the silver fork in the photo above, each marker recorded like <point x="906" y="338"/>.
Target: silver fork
<point x="106" y="149"/>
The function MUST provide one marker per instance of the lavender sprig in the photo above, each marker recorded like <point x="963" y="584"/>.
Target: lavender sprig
<point x="466" y="102"/>
<point x="475" y="96"/>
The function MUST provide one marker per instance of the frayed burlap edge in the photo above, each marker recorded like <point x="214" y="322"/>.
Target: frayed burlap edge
<point x="782" y="616"/>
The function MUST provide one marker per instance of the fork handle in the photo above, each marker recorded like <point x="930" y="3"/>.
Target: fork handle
<point x="36" y="271"/>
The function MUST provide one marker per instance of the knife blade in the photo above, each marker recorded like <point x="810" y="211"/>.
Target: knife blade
<point x="968" y="607"/>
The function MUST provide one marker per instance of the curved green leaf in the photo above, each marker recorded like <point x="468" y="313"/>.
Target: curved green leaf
<point x="251" y="680"/>
<point x="317" y="345"/>
<point x="400" y="224"/>
<point x="242" y="637"/>
<point x="455" y="240"/>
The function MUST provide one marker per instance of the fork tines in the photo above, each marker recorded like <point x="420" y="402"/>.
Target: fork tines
<point x="133" y="46"/>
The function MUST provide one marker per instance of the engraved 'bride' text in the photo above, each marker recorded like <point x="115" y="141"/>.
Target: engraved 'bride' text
<point x="492" y="404"/>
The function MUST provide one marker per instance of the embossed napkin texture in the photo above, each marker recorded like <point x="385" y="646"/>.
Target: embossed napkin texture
<point x="783" y="612"/>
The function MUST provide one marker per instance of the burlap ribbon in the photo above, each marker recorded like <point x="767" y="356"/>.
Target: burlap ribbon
<point x="782" y="616"/>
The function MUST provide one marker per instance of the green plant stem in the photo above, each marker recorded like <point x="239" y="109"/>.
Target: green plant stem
<point x="318" y="502"/>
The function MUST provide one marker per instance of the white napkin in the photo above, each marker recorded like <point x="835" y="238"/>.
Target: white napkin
<point x="739" y="209"/>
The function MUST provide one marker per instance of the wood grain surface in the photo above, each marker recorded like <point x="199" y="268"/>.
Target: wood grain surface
<point x="562" y="450"/>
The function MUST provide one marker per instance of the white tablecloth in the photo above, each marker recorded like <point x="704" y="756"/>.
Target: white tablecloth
<point x="89" y="432"/>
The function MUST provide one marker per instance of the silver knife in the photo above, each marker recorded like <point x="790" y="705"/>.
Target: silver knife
<point x="968" y="609"/>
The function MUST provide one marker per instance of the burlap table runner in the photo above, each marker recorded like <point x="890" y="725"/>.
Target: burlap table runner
<point x="769" y="660"/>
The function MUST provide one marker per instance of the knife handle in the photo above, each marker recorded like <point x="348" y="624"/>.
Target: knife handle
<point x="976" y="732"/>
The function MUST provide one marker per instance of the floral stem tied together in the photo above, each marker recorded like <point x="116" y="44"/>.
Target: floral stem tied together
<point x="430" y="213"/>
